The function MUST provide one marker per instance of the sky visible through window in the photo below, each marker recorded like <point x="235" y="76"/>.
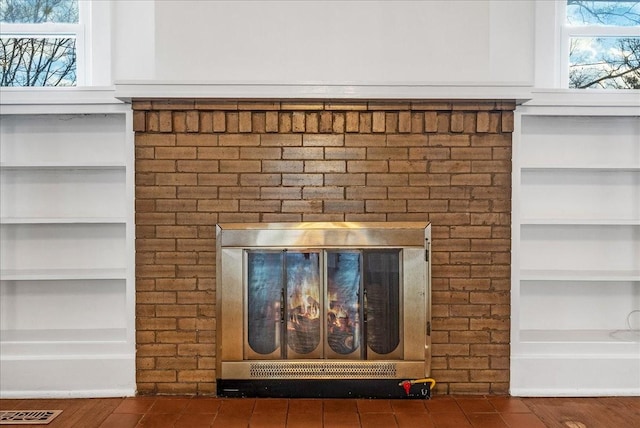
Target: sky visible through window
<point x="39" y="59"/>
<point x="603" y="59"/>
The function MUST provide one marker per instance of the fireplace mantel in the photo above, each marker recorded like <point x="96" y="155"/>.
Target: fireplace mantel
<point x="152" y="89"/>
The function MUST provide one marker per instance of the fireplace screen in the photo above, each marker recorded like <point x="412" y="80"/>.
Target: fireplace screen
<point x="323" y="300"/>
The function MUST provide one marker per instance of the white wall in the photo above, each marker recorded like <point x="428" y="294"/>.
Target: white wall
<point x="325" y="42"/>
<point x="133" y="40"/>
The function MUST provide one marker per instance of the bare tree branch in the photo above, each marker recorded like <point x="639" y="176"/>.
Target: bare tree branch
<point x="604" y="14"/>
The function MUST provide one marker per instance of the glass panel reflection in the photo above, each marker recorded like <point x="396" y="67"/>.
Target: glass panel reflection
<point x="382" y="288"/>
<point x="303" y="301"/>
<point x="343" y="291"/>
<point x="264" y="293"/>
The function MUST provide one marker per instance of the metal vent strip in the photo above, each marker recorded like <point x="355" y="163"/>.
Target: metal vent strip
<point x="300" y="370"/>
<point x="28" y="417"/>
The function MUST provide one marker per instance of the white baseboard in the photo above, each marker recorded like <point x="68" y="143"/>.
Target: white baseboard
<point x="558" y="392"/>
<point x="68" y="377"/>
<point x="575" y="376"/>
<point x="93" y="393"/>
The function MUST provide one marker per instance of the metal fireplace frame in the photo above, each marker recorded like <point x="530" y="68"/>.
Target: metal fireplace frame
<point x="320" y="377"/>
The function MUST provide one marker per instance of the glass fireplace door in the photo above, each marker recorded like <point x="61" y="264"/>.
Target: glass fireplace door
<point x="382" y="308"/>
<point x="363" y="304"/>
<point x="333" y="304"/>
<point x="284" y="305"/>
<point x="263" y="318"/>
<point x="303" y="305"/>
<point x="344" y="295"/>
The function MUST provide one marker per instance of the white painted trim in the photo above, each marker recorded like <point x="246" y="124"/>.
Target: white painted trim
<point x="515" y="231"/>
<point x="311" y="90"/>
<point x="57" y="95"/>
<point x="571" y="392"/>
<point x="85" y="393"/>
<point x="561" y="49"/>
<point x="130" y="233"/>
<point x="582" y="102"/>
<point x="49" y="100"/>
<point x="47" y="29"/>
<point x="49" y="377"/>
<point x="42" y="98"/>
<point x="584" y="97"/>
<point x="602" y="31"/>
<point x="574" y="375"/>
<point x="62" y="109"/>
<point x="572" y="110"/>
<point x="547" y="44"/>
<point x="98" y="42"/>
<point x="70" y="357"/>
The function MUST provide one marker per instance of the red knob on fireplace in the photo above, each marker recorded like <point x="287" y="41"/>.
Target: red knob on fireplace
<point x="407" y="386"/>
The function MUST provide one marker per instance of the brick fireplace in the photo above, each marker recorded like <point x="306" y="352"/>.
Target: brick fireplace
<point x="203" y="162"/>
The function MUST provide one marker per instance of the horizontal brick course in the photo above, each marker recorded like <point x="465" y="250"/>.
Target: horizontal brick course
<point x="200" y="162"/>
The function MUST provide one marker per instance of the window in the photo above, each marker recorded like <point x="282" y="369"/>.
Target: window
<point x="42" y="42"/>
<point x="602" y="44"/>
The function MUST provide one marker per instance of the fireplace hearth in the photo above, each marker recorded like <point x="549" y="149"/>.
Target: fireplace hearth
<point x="322" y="309"/>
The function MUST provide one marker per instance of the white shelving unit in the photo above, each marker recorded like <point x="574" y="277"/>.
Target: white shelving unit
<point x="576" y="250"/>
<point x="67" y="293"/>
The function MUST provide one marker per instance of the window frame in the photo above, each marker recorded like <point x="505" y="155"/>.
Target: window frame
<point x="567" y="31"/>
<point x="79" y="31"/>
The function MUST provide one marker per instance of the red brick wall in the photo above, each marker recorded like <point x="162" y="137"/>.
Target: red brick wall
<point x="203" y="162"/>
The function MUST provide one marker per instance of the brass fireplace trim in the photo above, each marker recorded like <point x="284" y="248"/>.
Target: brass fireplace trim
<point x="321" y="234"/>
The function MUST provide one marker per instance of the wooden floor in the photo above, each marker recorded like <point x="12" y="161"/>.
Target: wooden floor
<point x="439" y="412"/>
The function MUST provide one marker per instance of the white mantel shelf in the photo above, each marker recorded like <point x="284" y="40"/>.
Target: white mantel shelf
<point x="28" y="100"/>
<point x="126" y="91"/>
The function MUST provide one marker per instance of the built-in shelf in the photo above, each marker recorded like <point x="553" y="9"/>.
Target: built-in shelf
<point x="64" y="335"/>
<point x="599" y="344"/>
<point x="91" y="344"/>
<point x="576" y="271"/>
<point x="61" y="274"/>
<point x="580" y="222"/>
<point x="578" y="275"/>
<point x="62" y="166"/>
<point x="67" y="322"/>
<point x="62" y="220"/>
<point x="590" y="168"/>
<point x="629" y="336"/>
